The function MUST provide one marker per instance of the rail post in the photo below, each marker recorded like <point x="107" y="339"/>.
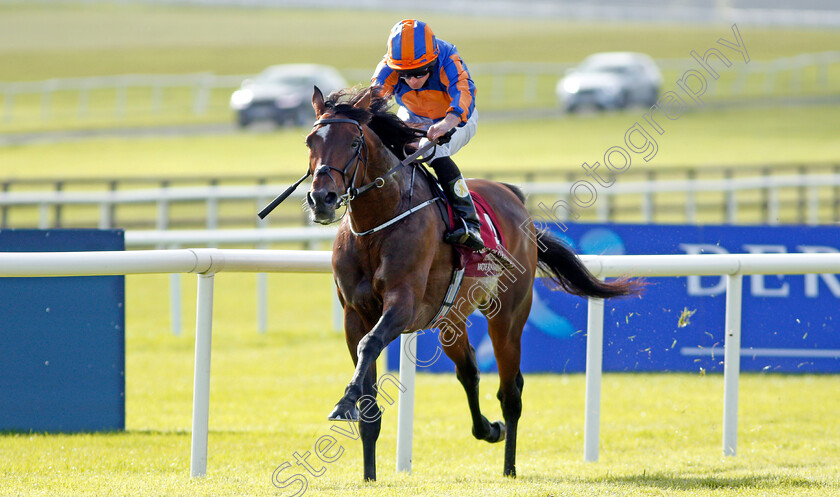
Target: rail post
<point x="594" y="365"/>
<point x="201" y="385"/>
<point x="405" y="408"/>
<point x="731" y="362"/>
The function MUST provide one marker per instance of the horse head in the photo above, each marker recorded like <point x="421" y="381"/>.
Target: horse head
<point x="337" y="150"/>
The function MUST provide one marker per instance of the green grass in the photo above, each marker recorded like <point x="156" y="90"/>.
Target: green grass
<point x="270" y="393"/>
<point x="551" y="149"/>
<point x="40" y="42"/>
<point x="736" y="136"/>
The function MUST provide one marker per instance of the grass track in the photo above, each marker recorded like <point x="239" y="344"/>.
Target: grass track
<point x="45" y="41"/>
<point x="713" y="137"/>
<point x="660" y="434"/>
<point x="40" y="42"/>
<point x="270" y="395"/>
<point x="553" y="148"/>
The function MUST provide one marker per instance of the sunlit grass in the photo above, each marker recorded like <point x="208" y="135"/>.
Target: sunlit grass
<point x="46" y="41"/>
<point x="270" y="393"/>
<point x="781" y="139"/>
<point x="736" y="136"/>
<point x="97" y="39"/>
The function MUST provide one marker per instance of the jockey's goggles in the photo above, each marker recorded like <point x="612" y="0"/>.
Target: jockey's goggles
<point x="415" y="73"/>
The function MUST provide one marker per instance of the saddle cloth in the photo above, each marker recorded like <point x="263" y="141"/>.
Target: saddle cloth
<point x="478" y="264"/>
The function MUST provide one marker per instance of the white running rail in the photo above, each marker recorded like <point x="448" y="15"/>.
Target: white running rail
<point x="206" y="262"/>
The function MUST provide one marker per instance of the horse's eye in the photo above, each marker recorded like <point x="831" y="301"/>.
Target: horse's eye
<point x="357" y="142"/>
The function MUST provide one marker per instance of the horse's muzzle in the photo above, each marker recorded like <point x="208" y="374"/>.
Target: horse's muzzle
<point x="322" y="203"/>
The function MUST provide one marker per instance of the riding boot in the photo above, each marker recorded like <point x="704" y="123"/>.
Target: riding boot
<point x="455" y="188"/>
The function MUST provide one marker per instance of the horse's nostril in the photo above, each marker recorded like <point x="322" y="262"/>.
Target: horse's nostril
<point x="309" y="199"/>
<point x="331" y="198"/>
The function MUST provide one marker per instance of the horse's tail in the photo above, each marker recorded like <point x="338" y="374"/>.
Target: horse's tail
<point x="569" y="273"/>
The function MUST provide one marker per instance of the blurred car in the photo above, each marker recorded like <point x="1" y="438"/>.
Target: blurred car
<point x="283" y="94"/>
<point x="611" y="80"/>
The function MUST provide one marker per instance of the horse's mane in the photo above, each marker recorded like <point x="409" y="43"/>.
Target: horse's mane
<point x="393" y="132"/>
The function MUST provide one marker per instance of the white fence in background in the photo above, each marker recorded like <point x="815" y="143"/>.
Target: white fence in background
<point x="150" y="93"/>
<point x="197" y="89"/>
<point x="259" y="238"/>
<point x="206" y="262"/>
<point x="161" y="198"/>
<point x="164" y="198"/>
<point x="768" y="185"/>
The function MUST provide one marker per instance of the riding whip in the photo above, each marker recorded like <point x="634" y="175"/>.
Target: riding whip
<point x="422" y="151"/>
<point x="274" y="203"/>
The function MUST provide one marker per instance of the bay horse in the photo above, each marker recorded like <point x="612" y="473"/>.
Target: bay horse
<point x="392" y="272"/>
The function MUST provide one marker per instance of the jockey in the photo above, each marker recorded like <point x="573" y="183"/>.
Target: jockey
<point x="434" y="92"/>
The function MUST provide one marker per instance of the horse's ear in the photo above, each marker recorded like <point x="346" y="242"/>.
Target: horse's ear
<point x="318" y="102"/>
<point x="364" y="102"/>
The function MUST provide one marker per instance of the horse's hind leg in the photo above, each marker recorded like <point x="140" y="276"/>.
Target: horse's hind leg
<point x="506" y="332"/>
<point x="456" y="345"/>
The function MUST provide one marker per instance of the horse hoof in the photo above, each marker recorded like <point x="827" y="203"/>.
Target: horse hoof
<point x="502" y="430"/>
<point x="344" y="412"/>
<point x="497" y="433"/>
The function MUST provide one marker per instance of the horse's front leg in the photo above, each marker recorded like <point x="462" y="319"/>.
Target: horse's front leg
<point x="395" y="319"/>
<point x="370" y="421"/>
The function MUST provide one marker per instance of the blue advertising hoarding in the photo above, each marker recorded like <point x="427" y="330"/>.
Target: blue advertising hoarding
<point x="62" y="340"/>
<point x="791" y="323"/>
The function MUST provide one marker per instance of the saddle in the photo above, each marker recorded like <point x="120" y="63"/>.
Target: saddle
<point x="488" y="262"/>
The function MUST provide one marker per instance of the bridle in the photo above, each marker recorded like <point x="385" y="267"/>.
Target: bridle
<point x="352" y="192"/>
<point x="360" y="150"/>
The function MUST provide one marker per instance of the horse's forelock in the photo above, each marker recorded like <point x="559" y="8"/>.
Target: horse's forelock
<point x="344" y="102"/>
<point x="393" y="132"/>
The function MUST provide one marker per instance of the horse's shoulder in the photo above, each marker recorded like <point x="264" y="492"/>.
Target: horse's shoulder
<point x="344" y="246"/>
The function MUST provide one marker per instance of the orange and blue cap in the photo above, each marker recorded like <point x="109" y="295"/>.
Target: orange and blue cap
<point x="411" y="45"/>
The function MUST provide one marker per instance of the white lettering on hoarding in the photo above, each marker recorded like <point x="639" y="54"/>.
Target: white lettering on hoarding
<point x="759" y="286"/>
<point x="695" y="286"/>
<point x="812" y="280"/>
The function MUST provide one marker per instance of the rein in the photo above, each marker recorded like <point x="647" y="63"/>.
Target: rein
<point x="352" y="192"/>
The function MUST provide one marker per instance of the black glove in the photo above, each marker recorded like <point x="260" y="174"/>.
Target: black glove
<point x="444" y="138"/>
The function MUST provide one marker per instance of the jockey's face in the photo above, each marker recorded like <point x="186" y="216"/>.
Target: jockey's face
<point x="417" y="80"/>
<point x="417" y="83"/>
